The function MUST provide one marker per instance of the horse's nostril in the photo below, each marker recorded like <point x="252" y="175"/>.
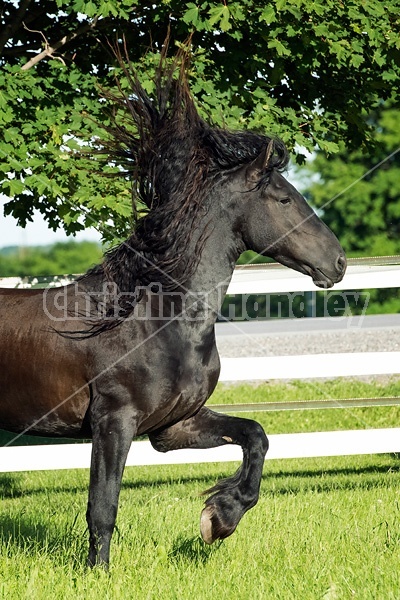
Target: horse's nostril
<point x="341" y="262"/>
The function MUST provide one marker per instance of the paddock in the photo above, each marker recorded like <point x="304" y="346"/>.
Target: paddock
<point x="378" y="272"/>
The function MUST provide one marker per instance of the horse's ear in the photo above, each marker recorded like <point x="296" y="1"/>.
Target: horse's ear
<point x="259" y="165"/>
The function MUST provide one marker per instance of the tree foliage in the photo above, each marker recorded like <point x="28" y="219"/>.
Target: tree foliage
<point x="304" y="70"/>
<point x="62" y="258"/>
<point x="359" y="194"/>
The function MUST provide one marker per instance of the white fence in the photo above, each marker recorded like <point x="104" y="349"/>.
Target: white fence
<point x="257" y="280"/>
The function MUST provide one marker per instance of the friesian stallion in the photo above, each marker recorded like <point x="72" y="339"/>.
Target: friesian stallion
<point x="129" y="348"/>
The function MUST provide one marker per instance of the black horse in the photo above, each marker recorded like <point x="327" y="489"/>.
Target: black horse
<point x="129" y="348"/>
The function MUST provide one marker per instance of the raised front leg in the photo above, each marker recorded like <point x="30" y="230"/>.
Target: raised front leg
<point x="112" y="437"/>
<point x="232" y="497"/>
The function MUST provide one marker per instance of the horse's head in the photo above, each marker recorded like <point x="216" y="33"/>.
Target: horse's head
<point x="279" y="223"/>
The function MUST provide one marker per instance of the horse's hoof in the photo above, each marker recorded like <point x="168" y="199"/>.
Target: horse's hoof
<point x="206" y="527"/>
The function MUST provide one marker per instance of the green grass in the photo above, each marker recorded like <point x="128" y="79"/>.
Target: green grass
<point x="315" y="420"/>
<point x="324" y="528"/>
<point x="305" y="390"/>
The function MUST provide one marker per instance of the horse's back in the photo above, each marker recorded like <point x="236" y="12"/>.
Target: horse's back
<point x="42" y="382"/>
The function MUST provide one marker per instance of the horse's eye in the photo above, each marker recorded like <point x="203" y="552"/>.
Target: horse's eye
<point x="285" y="200"/>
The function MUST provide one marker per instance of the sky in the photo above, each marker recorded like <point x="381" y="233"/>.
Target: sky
<point x="36" y="233"/>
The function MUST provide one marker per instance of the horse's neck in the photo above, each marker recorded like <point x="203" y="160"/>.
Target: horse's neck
<point x="93" y="280"/>
<point x="204" y="291"/>
<point x="214" y="271"/>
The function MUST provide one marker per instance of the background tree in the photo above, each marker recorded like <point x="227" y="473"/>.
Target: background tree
<point x="358" y="193"/>
<point x="62" y="258"/>
<point x="359" y="197"/>
<point x="304" y="70"/>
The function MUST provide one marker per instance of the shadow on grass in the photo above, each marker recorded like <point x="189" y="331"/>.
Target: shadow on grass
<point x="328" y="477"/>
<point x="192" y="549"/>
<point x="11" y="485"/>
<point x="329" y="480"/>
<point x="33" y="539"/>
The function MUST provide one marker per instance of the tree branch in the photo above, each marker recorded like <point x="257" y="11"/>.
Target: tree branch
<point x="49" y="50"/>
<point x="9" y="29"/>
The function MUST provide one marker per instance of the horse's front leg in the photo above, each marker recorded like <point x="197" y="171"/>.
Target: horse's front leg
<point x="112" y="434"/>
<point x="232" y="497"/>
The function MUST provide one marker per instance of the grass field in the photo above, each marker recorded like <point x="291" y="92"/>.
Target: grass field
<point x="323" y="529"/>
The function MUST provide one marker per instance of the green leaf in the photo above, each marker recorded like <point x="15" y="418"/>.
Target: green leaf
<point x="16" y="187"/>
<point x="215" y="15"/>
<point x="220" y="14"/>
<point x="356" y="60"/>
<point x="280" y="48"/>
<point x="327" y="146"/>
<point x="341" y="49"/>
<point x="281" y="5"/>
<point x="379" y="58"/>
<point x="192" y="14"/>
<point x="237" y="11"/>
<point x="88" y="8"/>
<point x="322" y="30"/>
<point x="268" y="14"/>
<point x="225" y="24"/>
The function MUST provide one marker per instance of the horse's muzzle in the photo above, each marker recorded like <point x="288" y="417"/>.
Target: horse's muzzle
<point x="324" y="279"/>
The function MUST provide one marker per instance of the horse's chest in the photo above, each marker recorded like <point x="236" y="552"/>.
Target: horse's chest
<point x="184" y="386"/>
<point x="166" y="381"/>
<point x="194" y="375"/>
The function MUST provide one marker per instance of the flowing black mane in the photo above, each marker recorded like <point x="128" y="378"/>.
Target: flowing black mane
<point x="172" y="156"/>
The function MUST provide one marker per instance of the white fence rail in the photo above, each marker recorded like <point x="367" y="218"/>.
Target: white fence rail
<point x="290" y="445"/>
<point x="309" y="366"/>
<point x="274" y="279"/>
<point x="257" y="280"/>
